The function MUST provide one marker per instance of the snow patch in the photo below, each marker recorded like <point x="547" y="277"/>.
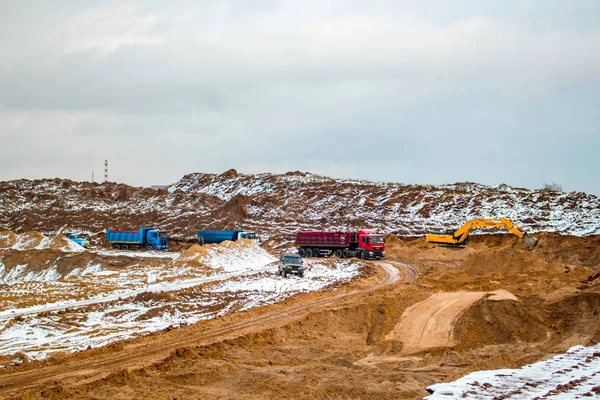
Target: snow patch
<point x="567" y="376"/>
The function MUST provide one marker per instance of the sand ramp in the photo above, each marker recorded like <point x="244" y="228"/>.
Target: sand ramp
<point x="430" y="323"/>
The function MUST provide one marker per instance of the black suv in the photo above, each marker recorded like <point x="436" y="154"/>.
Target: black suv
<point x="290" y="263"/>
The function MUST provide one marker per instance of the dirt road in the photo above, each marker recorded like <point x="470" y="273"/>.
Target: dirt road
<point x="430" y="323"/>
<point x="138" y="355"/>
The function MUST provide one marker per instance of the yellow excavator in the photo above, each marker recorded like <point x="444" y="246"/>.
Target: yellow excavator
<point x="459" y="236"/>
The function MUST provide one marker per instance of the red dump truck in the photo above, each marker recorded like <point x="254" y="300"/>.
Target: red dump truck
<point x="365" y="243"/>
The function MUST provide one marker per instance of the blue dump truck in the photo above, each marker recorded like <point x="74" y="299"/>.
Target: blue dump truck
<point x="214" y="237"/>
<point x="145" y="239"/>
<point x="79" y="239"/>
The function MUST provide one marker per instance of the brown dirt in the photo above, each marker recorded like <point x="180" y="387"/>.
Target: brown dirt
<point x="7" y="239"/>
<point x="276" y="244"/>
<point x="430" y="323"/>
<point x="349" y="342"/>
<point x="278" y="205"/>
<point x="60" y="243"/>
<point x="195" y="251"/>
<point x="31" y="239"/>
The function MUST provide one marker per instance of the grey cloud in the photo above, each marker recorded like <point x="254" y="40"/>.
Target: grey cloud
<point x="392" y="91"/>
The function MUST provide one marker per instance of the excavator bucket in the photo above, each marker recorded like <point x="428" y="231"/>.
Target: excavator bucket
<point x="531" y="242"/>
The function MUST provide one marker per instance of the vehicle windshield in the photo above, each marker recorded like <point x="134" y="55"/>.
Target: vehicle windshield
<point x="243" y="235"/>
<point x="376" y="239"/>
<point x="251" y="235"/>
<point x="162" y="234"/>
<point x="75" y="236"/>
<point x="292" y="259"/>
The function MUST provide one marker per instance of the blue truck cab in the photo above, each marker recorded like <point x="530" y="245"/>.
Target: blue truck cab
<point x="145" y="239"/>
<point x="77" y="238"/>
<point x="215" y="237"/>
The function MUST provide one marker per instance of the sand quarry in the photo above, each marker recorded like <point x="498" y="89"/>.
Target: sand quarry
<point x="217" y="322"/>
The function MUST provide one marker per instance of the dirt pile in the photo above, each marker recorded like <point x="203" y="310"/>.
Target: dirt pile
<point x="507" y="262"/>
<point x="211" y="258"/>
<point x="284" y="204"/>
<point x="234" y="211"/>
<point x="42" y="265"/>
<point x="31" y="240"/>
<point x="62" y="243"/>
<point x="394" y="246"/>
<point x="277" y="244"/>
<point x="194" y="252"/>
<point x="7" y="239"/>
<point x="516" y="270"/>
<point x="556" y="248"/>
<point x="576" y="317"/>
<point x="491" y="322"/>
<point x="36" y="240"/>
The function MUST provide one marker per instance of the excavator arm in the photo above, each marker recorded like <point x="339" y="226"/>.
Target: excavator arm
<point x="459" y="236"/>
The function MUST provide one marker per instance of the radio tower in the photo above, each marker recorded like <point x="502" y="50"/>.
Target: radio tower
<point x="105" y="170"/>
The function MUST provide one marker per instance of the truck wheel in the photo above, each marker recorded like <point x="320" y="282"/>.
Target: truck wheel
<point x="284" y="273"/>
<point x="345" y="254"/>
<point x="301" y="252"/>
<point x="116" y="247"/>
<point x="339" y="253"/>
<point x="309" y="253"/>
<point x="124" y="247"/>
<point x="301" y="275"/>
<point x="361" y="255"/>
<point x="316" y="252"/>
<point x="149" y="247"/>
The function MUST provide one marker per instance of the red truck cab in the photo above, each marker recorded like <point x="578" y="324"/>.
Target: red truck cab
<point x="371" y="242"/>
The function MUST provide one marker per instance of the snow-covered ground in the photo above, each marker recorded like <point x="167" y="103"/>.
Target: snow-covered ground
<point x="143" y="254"/>
<point x="43" y="310"/>
<point x="572" y="375"/>
<point x="96" y="282"/>
<point x="113" y="318"/>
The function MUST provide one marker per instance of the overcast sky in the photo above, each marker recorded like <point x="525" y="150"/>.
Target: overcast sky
<point x="431" y="91"/>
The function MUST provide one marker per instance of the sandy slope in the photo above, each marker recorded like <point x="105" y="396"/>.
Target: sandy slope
<point x="146" y="352"/>
<point x="430" y="323"/>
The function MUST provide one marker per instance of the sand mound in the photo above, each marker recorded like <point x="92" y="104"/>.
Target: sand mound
<point x="395" y="247"/>
<point x="194" y="251"/>
<point x="569" y="250"/>
<point x="418" y="243"/>
<point x="506" y="262"/>
<point x="276" y="244"/>
<point x="498" y="240"/>
<point x="242" y="243"/>
<point x="34" y="240"/>
<point x="493" y="322"/>
<point x="419" y="250"/>
<point x="393" y="240"/>
<point x="62" y="243"/>
<point x="7" y="239"/>
<point x="30" y="240"/>
<point x="41" y="265"/>
<point x="224" y="257"/>
<point x="198" y="252"/>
